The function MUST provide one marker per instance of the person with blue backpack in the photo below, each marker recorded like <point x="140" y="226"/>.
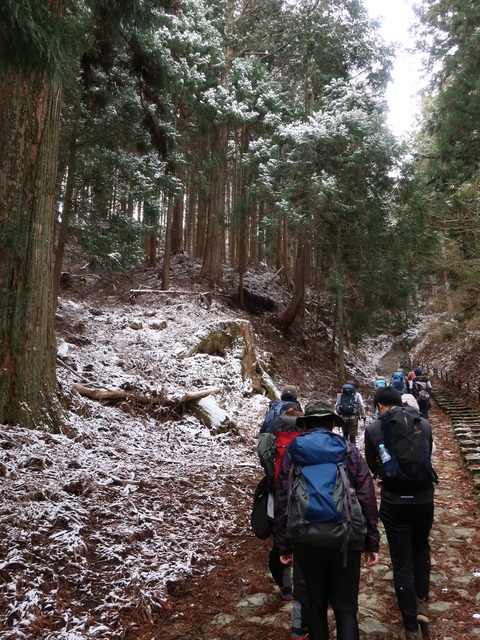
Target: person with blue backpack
<point x="351" y="408"/>
<point x="325" y="517"/>
<point x="288" y="404"/>
<point x="398" y="449"/>
<point x="380" y="382"/>
<point x="279" y="425"/>
<point x="399" y="381"/>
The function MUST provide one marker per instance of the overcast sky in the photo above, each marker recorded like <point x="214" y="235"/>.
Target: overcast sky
<point x="398" y="16"/>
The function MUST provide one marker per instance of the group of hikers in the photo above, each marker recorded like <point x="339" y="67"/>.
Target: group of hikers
<point x="317" y="499"/>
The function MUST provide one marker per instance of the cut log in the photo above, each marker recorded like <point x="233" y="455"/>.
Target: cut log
<point x="119" y="394"/>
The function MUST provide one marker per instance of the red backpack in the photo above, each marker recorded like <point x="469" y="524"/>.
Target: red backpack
<point x="285" y="429"/>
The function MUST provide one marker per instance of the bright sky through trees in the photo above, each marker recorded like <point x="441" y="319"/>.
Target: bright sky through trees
<point x="396" y="18"/>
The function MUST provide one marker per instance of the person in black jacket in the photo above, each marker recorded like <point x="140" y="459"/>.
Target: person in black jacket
<point x="407" y="516"/>
<point x="421" y="388"/>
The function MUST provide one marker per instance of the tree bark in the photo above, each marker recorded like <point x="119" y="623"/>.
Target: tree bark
<point x="176" y="232"/>
<point x="297" y="302"/>
<point x="67" y="207"/>
<point x="29" y="132"/>
<point x="212" y="267"/>
<point x="168" y="250"/>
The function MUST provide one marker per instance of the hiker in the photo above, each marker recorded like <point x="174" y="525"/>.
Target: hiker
<point x="406" y="507"/>
<point x="421" y="387"/>
<point x="282" y="430"/>
<point x="399" y="381"/>
<point x="350" y="407"/>
<point x="408" y="400"/>
<point x="288" y="403"/>
<point x="331" y="570"/>
<point x="380" y="381"/>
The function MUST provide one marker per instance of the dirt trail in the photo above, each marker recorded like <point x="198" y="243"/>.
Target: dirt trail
<point x="239" y="600"/>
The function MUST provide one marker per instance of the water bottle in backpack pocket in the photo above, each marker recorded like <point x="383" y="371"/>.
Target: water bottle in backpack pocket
<point x="405" y="441"/>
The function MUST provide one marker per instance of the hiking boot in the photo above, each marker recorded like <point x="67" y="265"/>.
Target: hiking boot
<point x="406" y="634"/>
<point x="422" y="617"/>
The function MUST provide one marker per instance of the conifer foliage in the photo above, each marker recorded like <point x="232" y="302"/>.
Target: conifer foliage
<point x="234" y="130"/>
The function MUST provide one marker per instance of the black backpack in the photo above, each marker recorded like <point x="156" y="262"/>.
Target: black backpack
<point x="346" y="405"/>
<point x="260" y="521"/>
<point x="410" y="465"/>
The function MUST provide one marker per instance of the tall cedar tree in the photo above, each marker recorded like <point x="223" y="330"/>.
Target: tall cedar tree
<point x="30" y="100"/>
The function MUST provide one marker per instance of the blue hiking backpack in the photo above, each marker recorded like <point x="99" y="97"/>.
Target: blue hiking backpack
<point x="346" y="406"/>
<point x="323" y="509"/>
<point x="398" y="381"/>
<point x="275" y="408"/>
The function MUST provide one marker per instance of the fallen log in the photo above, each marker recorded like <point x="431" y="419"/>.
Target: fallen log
<point x="120" y="394"/>
<point x="169" y="292"/>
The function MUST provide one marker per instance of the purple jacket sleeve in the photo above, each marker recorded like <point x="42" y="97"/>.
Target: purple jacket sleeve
<point x="281" y="506"/>
<point x="361" y="480"/>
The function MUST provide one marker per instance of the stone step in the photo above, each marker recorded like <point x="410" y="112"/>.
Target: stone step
<point x="466" y="426"/>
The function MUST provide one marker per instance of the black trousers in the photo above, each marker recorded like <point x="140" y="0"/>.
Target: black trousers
<point x="280" y="573"/>
<point x="408" y="528"/>
<point x="296" y="586"/>
<point x="328" y="581"/>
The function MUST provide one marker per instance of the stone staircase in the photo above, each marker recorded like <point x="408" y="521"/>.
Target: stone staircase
<point x="466" y="425"/>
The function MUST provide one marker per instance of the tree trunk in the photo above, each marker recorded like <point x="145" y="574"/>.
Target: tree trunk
<point x="168" y="250"/>
<point x="201" y="229"/>
<point x="191" y="200"/>
<point x="67" y="207"/>
<point x="176" y="232"/>
<point x="242" y="213"/>
<point x="296" y="303"/>
<point x="29" y="132"/>
<point x="152" y="249"/>
<point x="215" y="244"/>
<point x="340" y="334"/>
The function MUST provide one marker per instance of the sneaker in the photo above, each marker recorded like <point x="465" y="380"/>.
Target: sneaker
<point x="299" y="636"/>
<point x="286" y="595"/>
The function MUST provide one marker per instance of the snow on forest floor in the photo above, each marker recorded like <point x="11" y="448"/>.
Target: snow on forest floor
<point x="100" y="524"/>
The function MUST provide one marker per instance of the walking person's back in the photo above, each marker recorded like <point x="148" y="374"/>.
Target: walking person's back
<point x="327" y="548"/>
<point x="350" y="407"/>
<point x="421" y="388"/>
<point x="397" y="449"/>
<point x="277" y="431"/>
